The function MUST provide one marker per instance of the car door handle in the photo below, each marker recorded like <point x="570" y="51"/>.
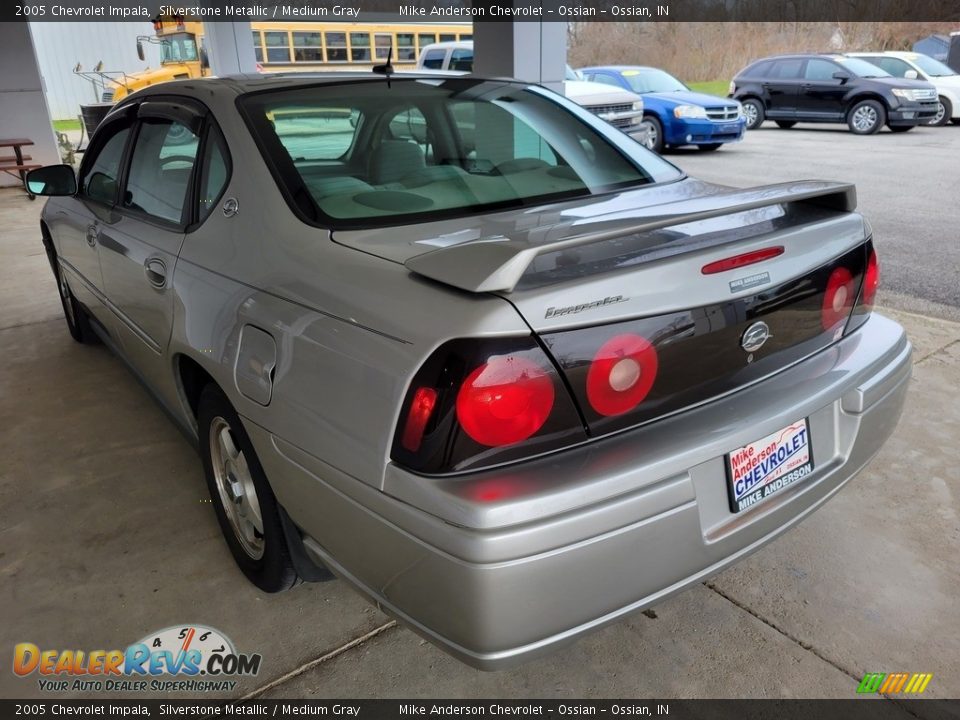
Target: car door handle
<point x="92" y="235"/>
<point x="156" y="271"/>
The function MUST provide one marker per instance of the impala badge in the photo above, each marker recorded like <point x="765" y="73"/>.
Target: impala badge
<point x="755" y="336"/>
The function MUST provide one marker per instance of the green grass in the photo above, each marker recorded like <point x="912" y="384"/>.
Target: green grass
<point x="65" y="125"/>
<point x="714" y="87"/>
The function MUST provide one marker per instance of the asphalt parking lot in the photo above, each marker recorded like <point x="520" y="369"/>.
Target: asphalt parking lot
<point x="107" y="535"/>
<point x="908" y="185"/>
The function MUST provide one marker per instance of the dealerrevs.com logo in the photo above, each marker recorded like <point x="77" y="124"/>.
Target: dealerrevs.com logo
<point x="185" y="658"/>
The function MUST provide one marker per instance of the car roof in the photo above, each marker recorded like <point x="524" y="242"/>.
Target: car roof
<point x="905" y="55"/>
<point x="799" y="56"/>
<point x="620" y="67"/>
<point x="252" y="82"/>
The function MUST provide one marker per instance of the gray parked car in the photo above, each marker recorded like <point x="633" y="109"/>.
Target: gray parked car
<point x="471" y="349"/>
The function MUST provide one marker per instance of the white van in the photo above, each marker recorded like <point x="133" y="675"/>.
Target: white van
<point x="621" y="108"/>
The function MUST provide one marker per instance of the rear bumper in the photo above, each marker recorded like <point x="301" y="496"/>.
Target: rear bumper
<point x="505" y="565"/>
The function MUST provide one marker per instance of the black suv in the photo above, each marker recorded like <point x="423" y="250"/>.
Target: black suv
<point x="831" y="88"/>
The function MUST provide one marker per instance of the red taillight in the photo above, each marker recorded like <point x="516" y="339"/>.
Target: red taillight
<point x="871" y="280"/>
<point x="838" y="298"/>
<point x="424" y="400"/>
<point x="621" y="374"/>
<point x="505" y="400"/>
<point x="738" y="261"/>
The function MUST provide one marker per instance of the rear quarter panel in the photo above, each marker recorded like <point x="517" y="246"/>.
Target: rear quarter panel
<point x="350" y="329"/>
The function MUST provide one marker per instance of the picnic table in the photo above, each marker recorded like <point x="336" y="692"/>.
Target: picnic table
<point x="16" y="164"/>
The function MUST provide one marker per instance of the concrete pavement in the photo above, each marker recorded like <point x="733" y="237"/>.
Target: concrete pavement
<point x="106" y="534"/>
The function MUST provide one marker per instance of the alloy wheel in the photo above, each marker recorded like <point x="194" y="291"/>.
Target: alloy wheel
<point x="865" y="118"/>
<point x="651" y="139"/>
<point x="234" y="483"/>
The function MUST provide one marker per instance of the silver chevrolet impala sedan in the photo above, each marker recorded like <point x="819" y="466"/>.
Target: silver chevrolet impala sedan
<point x="466" y="347"/>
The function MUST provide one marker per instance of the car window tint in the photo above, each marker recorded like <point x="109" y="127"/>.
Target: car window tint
<point x="759" y="69"/>
<point x="820" y="70"/>
<point x="433" y="59"/>
<point x="445" y="148"/>
<point x="894" y="66"/>
<point x="315" y="133"/>
<point x="99" y="180"/>
<point x="461" y="59"/>
<point x="160" y="169"/>
<point x="213" y="172"/>
<point x="786" y="69"/>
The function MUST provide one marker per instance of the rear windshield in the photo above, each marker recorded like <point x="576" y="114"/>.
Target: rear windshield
<point x="362" y="154"/>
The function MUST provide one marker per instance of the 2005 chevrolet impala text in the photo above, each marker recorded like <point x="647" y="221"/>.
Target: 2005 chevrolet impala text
<point x="476" y="352"/>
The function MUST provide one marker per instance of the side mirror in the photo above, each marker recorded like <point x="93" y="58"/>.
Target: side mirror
<point x="204" y="59"/>
<point x="52" y="180"/>
<point x="911" y="74"/>
<point x="841" y="76"/>
<point x="140" y="53"/>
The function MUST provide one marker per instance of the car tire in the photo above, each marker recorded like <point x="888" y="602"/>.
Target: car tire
<point x="901" y="128"/>
<point x="655" y="135"/>
<point x="709" y="148"/>
<point x="786" y="124"/>
<point x="866" y="117"/>
<point x="943" y="114"/>
<point x="754" y="112"/>
<point x="241" y="495"/>
<point x="78" y="322"/>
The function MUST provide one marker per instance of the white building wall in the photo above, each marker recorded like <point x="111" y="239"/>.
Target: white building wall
<point x="23" y="108"/>
<point x="61" y="45"/>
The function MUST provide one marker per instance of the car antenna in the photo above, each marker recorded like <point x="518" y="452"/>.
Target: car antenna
<point x="387" y="68"/>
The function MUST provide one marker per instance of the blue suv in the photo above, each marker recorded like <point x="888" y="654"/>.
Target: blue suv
<point x="675" y="115"/>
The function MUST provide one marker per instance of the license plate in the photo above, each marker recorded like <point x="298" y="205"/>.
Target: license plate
<point x="765" y="467"/>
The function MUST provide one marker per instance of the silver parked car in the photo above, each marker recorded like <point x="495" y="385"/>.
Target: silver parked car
<point x="471" y="349"/>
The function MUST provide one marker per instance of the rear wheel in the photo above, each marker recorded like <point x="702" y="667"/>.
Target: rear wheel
<point x="866" y="117"/>
<point x="244" y="503"/>
<point x="944" y="111"/>
<point x="901" y="128"/>
<point x="786" y="124"/>
<point x="654" y="139"/>
<point x="709" y="148"/>
<point x="754" y="113"/>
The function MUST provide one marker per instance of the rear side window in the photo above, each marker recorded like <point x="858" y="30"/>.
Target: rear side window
<point x="99" y="181"/>
<point x="786" y="69"/>
<point x="760" y="69"/>
<point x="160" y="170"/>
<point x="213" y="172"/>
<point x="433" y="59"/>
<point x="461" y="59"/>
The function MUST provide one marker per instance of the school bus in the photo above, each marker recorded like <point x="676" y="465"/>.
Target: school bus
<point x="288" y="47"/>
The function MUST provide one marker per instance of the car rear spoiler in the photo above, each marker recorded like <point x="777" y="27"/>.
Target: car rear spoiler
<point x="497" y="264"/>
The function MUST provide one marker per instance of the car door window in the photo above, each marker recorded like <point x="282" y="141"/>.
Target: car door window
<point x="820" y="70"/>
<point x="160" y="170"/>
<point x="606" y="79"/>
<point x="894" y="66"/>
<point x="786" y="69"/>
<point x="214" y="171"/>
<point x="99" y="179"/>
